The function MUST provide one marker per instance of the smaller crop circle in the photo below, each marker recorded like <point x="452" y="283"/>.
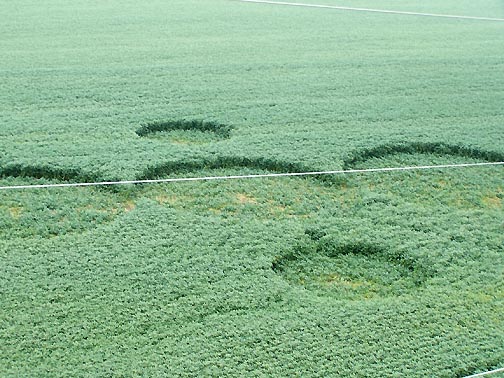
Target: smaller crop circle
<point x="185" y="131"/>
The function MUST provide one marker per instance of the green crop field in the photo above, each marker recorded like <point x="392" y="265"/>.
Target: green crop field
<point x="377" y="274"/>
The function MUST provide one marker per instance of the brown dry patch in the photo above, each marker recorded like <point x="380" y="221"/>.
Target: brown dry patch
<point x="15" y="212"/>
<point x="223" y="209"/>
<point x="129" y="206"/>
<point x="162" y="199"/>
<point x="243" y="199"/>
<point x="492" y="201"/>
<point x="282" y="211"/>
<point x="275" y="209"/>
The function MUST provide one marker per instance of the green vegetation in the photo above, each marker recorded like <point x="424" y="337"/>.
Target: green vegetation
<point x="388" y="274"/>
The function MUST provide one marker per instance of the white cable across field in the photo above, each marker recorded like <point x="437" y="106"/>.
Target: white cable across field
<point x="253" y="176"/>
<point x="487" y="373"/>
<point x="372" y="10"/>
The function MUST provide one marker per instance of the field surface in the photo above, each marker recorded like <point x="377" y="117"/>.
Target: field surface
<point x="397" y="274"/>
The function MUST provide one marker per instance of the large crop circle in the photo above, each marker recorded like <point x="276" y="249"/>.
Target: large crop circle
<point x="348" y="270"/>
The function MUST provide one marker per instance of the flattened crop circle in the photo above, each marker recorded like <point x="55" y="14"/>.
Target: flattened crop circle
<point x="349" y="271"/>
<point x="425" y="148"/>
<point x="186" y="132"/>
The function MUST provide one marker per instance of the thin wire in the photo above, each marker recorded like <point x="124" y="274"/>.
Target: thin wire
<point x="372" y="10"/>
<point x="486" y="373"/>
<point x="252" y="176"/>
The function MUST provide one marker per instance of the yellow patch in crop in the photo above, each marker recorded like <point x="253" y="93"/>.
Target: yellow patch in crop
<point x="243" y="199"/>
<point x="275" y="209"/>
<point x="129" y="206"/>
<point x="336" y="279"/>
<point x="162" y="199"/>
<point x="15" y="212"/>
<point x="492" y="201"/>
<point x="215" y="211"/>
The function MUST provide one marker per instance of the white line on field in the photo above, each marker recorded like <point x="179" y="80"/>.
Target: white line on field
<point x="266" y="175"/>
<point x="372" y="10"/>
<point x="486" y="373"/>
